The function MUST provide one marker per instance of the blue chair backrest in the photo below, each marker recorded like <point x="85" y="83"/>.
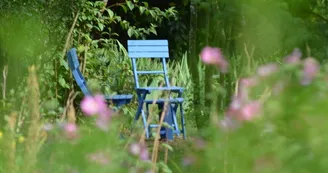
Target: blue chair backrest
<point x="74" y="65"/>
<point x="158" y="49"/>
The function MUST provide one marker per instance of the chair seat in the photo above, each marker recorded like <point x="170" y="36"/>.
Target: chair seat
<point x="171" y="100"/>
<point x="120" y="99"/>
<point x="173" y="89"/>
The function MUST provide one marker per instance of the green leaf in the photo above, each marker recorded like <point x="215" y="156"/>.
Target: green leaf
<point x="130" y="32"/>
<point x="142" y="9"/>
<point x="62" y="82"/>
<point x="101" y="26"/>
<point x="89" y="25"/>
<point x="167" y="146"/>
<point x="124" y="8"/>
<point x="130" y="5"/>
<point x="63" y="63"/>
<point x="146" y="4"/>
<point x="153" y="30"/>
<point x="118" y="18"/>
<point x="111" y="13"/>
<point x="152" y="13"/>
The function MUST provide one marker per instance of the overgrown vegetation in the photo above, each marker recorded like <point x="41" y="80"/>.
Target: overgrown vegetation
<point x="44" y="129"/>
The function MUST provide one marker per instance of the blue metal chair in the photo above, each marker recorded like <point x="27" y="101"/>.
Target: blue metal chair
<point x="117" y="100"/>
<point x="156" y="49"/>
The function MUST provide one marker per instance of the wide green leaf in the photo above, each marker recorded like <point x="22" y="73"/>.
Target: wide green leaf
<point x="130" y="32"/>
<point x="130" y="5"/>
<point x="142" y="9"/>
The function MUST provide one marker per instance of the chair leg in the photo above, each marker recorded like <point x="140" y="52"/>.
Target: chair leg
<point x="162" y="130"/>
<point x="141" y="98"/>
<point x="146" y="126"/>
<point x="147" y="116"/>
<point x="184" y="132"/>
<point x="169" y="120"/>
<point x="175" y="121"/>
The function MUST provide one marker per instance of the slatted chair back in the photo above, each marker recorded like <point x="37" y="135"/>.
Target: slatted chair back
<point x="157" y="49"/>
<point x="74" y="65"/>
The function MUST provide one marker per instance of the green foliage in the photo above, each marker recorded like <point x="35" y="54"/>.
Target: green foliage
<point x="257" y="31"/>
<point x="287" y="137"/>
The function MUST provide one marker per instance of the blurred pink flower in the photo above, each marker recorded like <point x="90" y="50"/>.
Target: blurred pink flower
<point x="99" y="158"/>
<point x="228" y="123"/>
<point x="248" y="82"/>
<point x="189" y="160"/>
<point x="102" y="123"/>
<point x="250" y="110"/>
<point x="135" y="149"/>
<point x="241" y="111"/>
<point x="104" y="118"/>
<point x="48" y="127"/>
<point x="97" y="106"/>
<point x="93" y="105"/>
<point x="294" y="58"/>
<point x="236" y="103"/>
<point x="70" y="130"/>
<point x="214" y="56"/>
<point x="149" y="171"/>
<point x="278" y="87"/>
<point x="267" y="70"/>
<point x="310" y="70"/>
<point x="144" y="154"/>
<point x="244" y="86"/>
<point x="199" y="143"/>
<point x="139" y="150"/>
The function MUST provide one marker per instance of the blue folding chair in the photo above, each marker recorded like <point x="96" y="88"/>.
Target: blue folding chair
<point x="117" y="100"/>
<point x="158" y="50"/>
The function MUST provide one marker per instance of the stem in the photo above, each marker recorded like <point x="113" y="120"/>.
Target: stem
<point x="156" y="140"/>
<point x="31" y="148"/>
<point x="166" y="154"/>
<point x="4" y="74"/>
<point x="117" y="4"/>
<point x="10" y="151"/>
<point x="68" y="37"/>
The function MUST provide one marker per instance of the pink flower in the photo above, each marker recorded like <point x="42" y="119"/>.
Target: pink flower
<point x="245" y="85"/>
<point x="97" y="106"/>
<point x="228" y="123"/>
<point x="48" y="127"/>
<point x="139" y="150"/>
<point x="100" y="99"/>
<point x="267" y="70"/>
<point x="248" y="82"/>
<point x="93" y="105"/>
<point x="104" y="118"/>
<point x="99" y="158"/>
<point x="278" y="87"/>
<point x="250" y="110"/>
<point x="294" y="58"/>
<point x="70" y="130"/>
<point x="102" y="123"/>
<point x="241" y="111"/>
<point x="310" y="70"/>
<point x="189" y="160"/>
<point x="214" y="56"/>
<point x="135" y="149"/>
<point x="144" y="154"/>
<point x="199" y="143"/>
<point x="236" y="103"/>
